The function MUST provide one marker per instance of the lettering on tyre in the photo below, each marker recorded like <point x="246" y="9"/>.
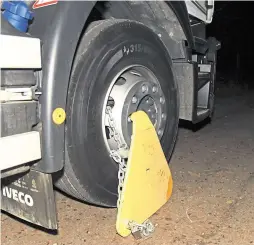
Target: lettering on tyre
<point x="135" y="48"/>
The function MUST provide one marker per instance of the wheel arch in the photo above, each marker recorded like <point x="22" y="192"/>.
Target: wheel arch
<point x="60" y="28"/>
<point x="181" y="12"/>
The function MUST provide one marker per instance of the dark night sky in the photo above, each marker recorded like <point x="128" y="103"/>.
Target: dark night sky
<point x="233" y="26"/>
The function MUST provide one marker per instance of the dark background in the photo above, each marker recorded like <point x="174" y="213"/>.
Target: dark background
<point x="233" y="26"/>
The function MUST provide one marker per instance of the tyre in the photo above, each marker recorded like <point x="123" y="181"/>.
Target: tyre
<point x="123" y="65"/>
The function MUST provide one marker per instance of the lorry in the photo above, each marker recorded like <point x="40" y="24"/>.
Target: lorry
<point x="72" y="73"/>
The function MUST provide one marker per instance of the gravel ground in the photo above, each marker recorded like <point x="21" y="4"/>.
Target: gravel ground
<point x="212" y="201"/>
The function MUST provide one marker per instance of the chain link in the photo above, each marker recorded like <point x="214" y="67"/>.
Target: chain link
<point x="113" y="131"/>
<point x="115" y="154"/>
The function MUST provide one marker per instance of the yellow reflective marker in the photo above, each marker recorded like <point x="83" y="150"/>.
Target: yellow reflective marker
<point x="58" y="116"/>
<point x="148" y="181"/>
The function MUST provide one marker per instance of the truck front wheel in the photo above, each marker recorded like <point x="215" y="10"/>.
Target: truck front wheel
<point x="123" y="65"/>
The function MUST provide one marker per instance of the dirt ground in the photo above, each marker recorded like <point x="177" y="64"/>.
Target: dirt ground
<point x="212" y="201"/>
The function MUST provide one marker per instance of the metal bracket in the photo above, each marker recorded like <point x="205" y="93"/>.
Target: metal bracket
<point x="18" y="94"/>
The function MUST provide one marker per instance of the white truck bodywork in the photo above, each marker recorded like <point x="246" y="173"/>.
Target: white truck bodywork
<point x="23" y="53"/>
<point x="202" y="10"/>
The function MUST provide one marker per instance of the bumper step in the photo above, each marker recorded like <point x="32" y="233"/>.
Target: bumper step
<point x="195" y="83"/>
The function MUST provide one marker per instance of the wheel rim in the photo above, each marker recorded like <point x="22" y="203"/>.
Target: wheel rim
<point x="134" y="88"/>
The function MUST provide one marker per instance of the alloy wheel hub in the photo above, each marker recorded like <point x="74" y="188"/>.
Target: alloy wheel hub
<point x="135" y="89"/>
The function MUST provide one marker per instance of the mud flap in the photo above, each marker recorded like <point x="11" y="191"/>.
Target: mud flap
<point x="31" y="198"/>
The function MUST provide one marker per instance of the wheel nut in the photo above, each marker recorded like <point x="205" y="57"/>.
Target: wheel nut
<point x="134" y="100"/>
<point x="149" y="101"/>
<point x="163" y="116"/>
<point x="153" y="116"/>
<point x="160" y="132"/>
<point x="154" y="89"/>
<point x="144" y="88"/>
<point x="162" y="100"/>
<point x="129" y="119"/>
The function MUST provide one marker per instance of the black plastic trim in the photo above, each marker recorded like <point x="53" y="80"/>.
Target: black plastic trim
<point x="201" y="45"/>
<point x="59" y="41"/>
<point x="180" y="9"/>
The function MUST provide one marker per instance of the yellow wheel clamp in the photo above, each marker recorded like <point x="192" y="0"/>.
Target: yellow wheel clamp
<point x="148" y="181"/>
